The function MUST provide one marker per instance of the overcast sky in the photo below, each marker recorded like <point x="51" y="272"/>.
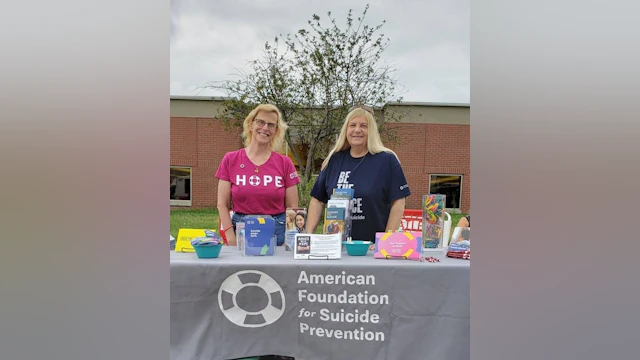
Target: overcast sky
<point x="429" y="40"/>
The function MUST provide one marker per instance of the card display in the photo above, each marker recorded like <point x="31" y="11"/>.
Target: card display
<point x="317" y="246"/>
<point x="398" y="245"/>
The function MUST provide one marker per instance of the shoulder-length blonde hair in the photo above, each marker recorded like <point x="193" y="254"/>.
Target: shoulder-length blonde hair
<point x="374" y="143"/>
<point x="278" y="138"/>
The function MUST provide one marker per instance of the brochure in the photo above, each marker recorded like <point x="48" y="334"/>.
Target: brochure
<point x="337" y="217"/>
<point x="317" y="246"/>
<point x="296" y="223"/>
<point x="259" y="238"/>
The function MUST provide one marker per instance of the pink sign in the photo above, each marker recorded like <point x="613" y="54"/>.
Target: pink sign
<point x="398" y="245"/>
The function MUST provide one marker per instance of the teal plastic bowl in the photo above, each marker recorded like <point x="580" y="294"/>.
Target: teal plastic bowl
<point x="207" y="252"/>
<point x="357" y="247"/>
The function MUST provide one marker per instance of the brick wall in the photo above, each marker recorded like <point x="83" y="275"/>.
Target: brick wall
<point x="423" y="149"/>
<point x="426" y="149"/>
<point x="201" y="143"/>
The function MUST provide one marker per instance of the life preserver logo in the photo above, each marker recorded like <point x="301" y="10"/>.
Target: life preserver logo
<point x="251" y="319"/>
<point x="254" y="180"/>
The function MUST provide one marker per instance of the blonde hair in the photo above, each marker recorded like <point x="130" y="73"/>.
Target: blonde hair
<point x="278" y="138"/>
<point x="291" y="216"/>
<point x="374" y="143"/>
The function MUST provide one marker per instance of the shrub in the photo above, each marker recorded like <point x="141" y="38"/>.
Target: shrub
<point x="304" y="191"/>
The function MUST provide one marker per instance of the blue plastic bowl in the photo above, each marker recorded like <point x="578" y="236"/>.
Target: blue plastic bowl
<point x="207" y="252"/>
<point x="357" y="247"/>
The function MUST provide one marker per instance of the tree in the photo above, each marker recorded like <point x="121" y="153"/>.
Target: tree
<point x="314" y="76"/>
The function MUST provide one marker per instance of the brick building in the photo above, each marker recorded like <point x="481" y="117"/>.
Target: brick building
<point x="434" y="151"/>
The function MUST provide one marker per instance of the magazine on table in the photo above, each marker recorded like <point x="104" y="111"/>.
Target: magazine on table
<point x="343" y="194"/>
<point x="337" y="217"/>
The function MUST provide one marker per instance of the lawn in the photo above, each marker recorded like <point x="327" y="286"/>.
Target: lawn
<point x="208" y="219"/>
<point x="193" y="219"/>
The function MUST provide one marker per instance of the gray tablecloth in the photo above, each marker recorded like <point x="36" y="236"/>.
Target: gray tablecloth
<point x="353" y="308"/>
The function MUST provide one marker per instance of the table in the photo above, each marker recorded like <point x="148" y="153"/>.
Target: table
<point x="353" y="308"/>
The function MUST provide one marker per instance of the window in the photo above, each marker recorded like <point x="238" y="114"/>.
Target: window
<point x="180" y="186"/>
<point x="448" y="185"/>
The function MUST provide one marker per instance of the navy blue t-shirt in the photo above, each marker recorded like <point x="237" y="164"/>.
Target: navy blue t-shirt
<point x="377" y="180"/>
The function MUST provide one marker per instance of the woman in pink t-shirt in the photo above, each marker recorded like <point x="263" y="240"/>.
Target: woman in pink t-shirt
<point x="257" y="180"/>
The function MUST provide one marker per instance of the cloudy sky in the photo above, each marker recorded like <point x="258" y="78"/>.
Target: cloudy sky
<point x="429" y="40"/>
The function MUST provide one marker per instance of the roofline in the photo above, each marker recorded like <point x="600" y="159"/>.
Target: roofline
<point x="198" y="98"/>
<point x="416" y="103"/>
<point x="393" y="103"/>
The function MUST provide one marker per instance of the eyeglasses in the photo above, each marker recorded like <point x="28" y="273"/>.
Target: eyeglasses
<point x="363" y="107"/>
<point x="262" y="123"/>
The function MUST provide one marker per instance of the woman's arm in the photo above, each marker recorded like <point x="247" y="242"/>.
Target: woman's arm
<point x="395" y="215"/>
<point x="291" y="197"/>
<point x="463" y="222"/>
<point x="224" y="202"/>
<point x="313" y="215"/>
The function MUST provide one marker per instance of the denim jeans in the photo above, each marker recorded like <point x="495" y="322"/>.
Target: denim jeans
<point x="280" y="225"/>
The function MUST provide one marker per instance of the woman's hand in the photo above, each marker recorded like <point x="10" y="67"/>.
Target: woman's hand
<point x="231" y="236"/>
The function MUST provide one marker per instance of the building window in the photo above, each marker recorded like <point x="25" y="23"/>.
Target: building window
<point x="180" y="186"/>
<point x="448" y="185"/>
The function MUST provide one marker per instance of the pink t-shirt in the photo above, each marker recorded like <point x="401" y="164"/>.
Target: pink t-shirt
<point x="262" y="192"/>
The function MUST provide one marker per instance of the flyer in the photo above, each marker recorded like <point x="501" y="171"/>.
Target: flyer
<point x="317" y="246"/>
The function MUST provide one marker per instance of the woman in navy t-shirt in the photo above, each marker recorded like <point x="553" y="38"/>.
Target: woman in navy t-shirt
<point x="360" y="161"/>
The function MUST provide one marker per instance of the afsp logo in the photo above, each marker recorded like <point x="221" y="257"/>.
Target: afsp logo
<point x="254" y="180"/>
<point x="251" y="319"/>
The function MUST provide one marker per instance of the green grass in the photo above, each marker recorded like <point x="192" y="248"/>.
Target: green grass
<point x="192" y="219"/>
<point x="208" y="219"/>
<point x="455" y="218"/>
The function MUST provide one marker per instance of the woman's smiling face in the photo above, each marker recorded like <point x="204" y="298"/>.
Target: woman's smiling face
<point x="357" y="131"/>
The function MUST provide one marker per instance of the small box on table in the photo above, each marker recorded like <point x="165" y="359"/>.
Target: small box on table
<point x="259" y="235"/>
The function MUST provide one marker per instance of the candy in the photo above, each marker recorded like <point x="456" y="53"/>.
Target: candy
<point x="433" y="220"/>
